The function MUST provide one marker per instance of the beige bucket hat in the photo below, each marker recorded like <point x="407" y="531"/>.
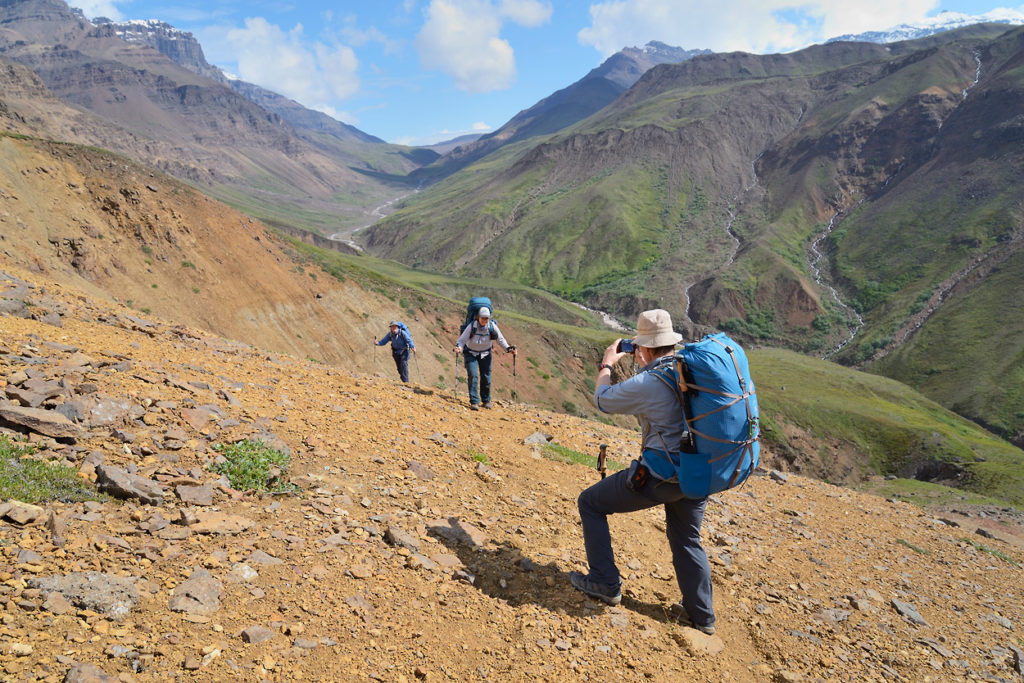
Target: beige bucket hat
<point x="654" y="329"/>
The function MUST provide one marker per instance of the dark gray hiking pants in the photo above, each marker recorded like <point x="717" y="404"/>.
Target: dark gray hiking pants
<point x="683" y="518"/>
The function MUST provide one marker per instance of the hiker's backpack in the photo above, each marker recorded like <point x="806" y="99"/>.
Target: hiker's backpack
<point x="712" y="381"/>
<point x="474" y="306"/>
<point x="403" y="329"/>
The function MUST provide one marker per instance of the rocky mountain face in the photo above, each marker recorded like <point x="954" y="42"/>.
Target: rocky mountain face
<point x="728" y="189"/>
<point x="183" y="122"/>
<point x="567" y="106"/>
<point x="425" y="542"/>
<point x="182" y="48"/>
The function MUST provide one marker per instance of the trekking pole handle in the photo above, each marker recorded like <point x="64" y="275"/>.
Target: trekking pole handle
<point x="601" y="459"/>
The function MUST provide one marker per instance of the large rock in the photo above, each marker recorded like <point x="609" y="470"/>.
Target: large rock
<point x="87" y="673"/>
<point x="112" y="596"/>
<point x="121" y="484"/>
<point x="199" y="596"/>
<point x="216" y="523"/>
<point x="45" y="422"/>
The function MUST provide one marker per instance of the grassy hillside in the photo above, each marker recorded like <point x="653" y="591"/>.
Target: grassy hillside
<point x="820" y="413"/>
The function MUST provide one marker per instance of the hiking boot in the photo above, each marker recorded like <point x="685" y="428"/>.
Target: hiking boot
<point x="473" y="406"/>
<point x="611" y="594"/>
<point x="487" y="404"/>
<point x="679" y="612"/>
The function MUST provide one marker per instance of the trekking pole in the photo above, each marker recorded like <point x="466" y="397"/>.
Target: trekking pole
<point x="601" y="458"/>
<point x="455" y="387"/>
<point x="515" y="396"/>
<point x="419" y="375"/>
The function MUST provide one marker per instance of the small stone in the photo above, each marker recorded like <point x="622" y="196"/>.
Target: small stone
<point x="257" y="634"/>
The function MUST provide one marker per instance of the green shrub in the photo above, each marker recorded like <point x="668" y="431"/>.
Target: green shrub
<point x="249" y="466"/>
<point x="34" y="481"/>
<point x="560" y="453"/>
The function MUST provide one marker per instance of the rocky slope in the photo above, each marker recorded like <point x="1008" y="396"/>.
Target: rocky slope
<point x="97" y="222"/>
<point x="427" y="542"/>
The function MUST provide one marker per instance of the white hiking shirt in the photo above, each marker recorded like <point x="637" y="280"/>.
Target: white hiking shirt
<point x="477" y="340"/>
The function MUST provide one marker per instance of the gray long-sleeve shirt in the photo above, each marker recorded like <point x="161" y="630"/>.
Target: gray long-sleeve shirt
<point x="656" y="408"/>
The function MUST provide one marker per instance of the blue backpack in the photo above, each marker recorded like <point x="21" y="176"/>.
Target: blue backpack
<point x="712" y="381"/>
<point x="474" y="306"/>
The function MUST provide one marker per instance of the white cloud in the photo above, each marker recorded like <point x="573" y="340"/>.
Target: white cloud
<point x="752" y="25"/>
<point x="462" y="39"/>
<point x="98" y="8"/>
<point x="481" y="127"/>
<point x="526" y="12"/>
<point x="282" y="62"/>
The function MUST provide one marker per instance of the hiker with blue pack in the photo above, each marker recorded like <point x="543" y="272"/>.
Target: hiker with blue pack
<point x="479" y="333"/>
<point x="401" y="345"/>
<point x="686" y="455"/>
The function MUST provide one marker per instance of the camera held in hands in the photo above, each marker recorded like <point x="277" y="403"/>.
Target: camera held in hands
<point x="625" y="346"/>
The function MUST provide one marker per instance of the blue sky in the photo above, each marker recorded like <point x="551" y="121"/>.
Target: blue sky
<point x="422" y="71"/>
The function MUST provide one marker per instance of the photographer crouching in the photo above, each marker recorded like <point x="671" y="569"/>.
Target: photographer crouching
<point x="650" y="480"/>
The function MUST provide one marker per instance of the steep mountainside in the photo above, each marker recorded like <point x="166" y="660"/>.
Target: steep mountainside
<point x="97" y="222"/>
<point x="182" y="48"/>
<point x="195" y="128"/>
<point x="710" y="188"/>
<point x="426" y="542"/>
<point x="567" y="106"/>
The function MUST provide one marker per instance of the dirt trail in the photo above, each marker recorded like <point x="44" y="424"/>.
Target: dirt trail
<point x="432" y="543"/>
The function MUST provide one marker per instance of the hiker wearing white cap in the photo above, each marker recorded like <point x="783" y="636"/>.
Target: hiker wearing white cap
<point x="649" y="480"/>
<point x="401" y="345"/>
<point x="475" y="344"/>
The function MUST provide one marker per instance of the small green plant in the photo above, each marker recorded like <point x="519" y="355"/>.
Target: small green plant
<point x="146" y="309"/>
<point x="195" y="290"/>
<point x="34" y="481"/>
<point x="146" y="249"/>
<point x="479" y="456"/>
<point x="188" y="264"/>
<point x="920" y="551"/>
<point x="253" y="466"/>
<point x="560" y="453"/>
<point x="991" y="551"/>
<point x="154" y="285"/>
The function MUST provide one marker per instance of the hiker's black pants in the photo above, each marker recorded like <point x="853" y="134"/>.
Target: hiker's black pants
<point x="402" y="363"/>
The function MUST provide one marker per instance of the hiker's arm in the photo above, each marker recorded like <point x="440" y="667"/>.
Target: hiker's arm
<point x="385" y="340"/>
<point x="604" y="373"/>
<point x="460" y="343"/>
<point x="502" y="342"/>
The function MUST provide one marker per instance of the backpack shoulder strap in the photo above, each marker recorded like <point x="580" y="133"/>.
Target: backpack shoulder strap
<point x="669" y="376"/>
<point x="673" y="373"/>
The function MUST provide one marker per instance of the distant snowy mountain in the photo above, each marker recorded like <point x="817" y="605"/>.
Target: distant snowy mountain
<point x="944" y="21"/>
